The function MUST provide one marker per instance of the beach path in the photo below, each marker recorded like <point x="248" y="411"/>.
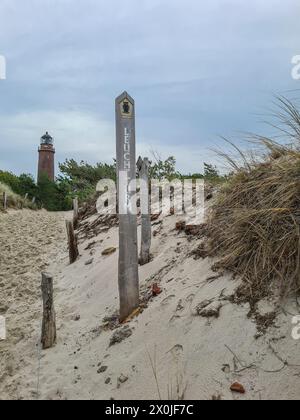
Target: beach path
<point x="30" y="242"/>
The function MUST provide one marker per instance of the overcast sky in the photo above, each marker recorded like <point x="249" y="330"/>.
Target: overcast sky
<point x="197" y="70"/>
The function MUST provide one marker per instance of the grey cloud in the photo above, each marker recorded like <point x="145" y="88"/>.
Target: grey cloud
<point x="196" y="69"/>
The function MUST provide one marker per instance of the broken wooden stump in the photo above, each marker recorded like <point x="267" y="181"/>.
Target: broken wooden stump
<point x="49" y="319"/>
<point x="72" y="242"/>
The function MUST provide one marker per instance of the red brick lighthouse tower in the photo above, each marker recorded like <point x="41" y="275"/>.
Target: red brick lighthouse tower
<point x="46" y="157"/>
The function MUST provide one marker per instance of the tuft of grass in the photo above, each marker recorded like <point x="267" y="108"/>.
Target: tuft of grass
<point x="13" y="200"/>
<point x="254" y="224"/>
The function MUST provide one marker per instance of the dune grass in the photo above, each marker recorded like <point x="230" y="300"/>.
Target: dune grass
<point x="254" y="224"/>
<point x="13" y="200"/>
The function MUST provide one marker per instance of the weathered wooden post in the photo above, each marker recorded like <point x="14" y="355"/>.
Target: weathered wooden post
<point x="126" y="187"/>
<point x="143" y="170"/>
<point x="72" y="241"/>
<point x="75" y="212"/>
<point x="4" y="200"/>
<point x="49" y="319"/>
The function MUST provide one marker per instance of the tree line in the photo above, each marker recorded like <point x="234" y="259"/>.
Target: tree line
<point x="79" y="179"/>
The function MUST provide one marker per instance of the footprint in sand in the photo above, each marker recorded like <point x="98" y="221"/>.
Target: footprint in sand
<point x="174" y="319"/>
<point x="176" y="351"/>
<point x="168" y="299"/>
<point x="183" y="303"/>
<point x="189" y="299"/>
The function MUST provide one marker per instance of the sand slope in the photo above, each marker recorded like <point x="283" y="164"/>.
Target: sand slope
<point x="193" y="357"/>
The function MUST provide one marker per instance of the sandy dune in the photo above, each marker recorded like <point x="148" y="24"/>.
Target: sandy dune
<point x="29" y="243"/>
<point x="195" y="356"/>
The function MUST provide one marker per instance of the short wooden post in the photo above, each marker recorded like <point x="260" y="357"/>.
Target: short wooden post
<point x="72" y="240"/>
<point x="75" y="212"/>
<point x="49" y="318"/>
<point x="143" y="170"/>
<point x="4" y="200"/>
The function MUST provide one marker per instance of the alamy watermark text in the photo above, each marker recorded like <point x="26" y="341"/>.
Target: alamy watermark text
<point x="296" y="67"/>
<point x="179" y="197"/>
<point x="2" y="328"/>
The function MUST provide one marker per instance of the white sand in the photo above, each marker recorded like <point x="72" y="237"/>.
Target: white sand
<point x="29" y="243"/>
<point x="192" y="353"/>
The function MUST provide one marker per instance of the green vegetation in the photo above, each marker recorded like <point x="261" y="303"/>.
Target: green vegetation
<point x="50" y="195"/>
<point x="166" y="169"/>
<point x="21" y="185"/>
<point x="80" y="180"/>
<point x="76" y="179"/>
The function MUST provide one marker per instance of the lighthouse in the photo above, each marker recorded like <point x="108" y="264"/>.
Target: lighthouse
<point x="46" y="157"/>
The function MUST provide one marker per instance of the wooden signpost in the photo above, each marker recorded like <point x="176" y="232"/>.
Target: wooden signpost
<point x="143" y="170"/>
<point x="126" y="178"/>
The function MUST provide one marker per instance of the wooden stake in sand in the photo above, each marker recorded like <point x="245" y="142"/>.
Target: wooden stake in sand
<point x="126" y="186"/>
<point x="4" y="201"/>
<point x="49" y="319"/>
<point x="143" y="170"/>
<point x="75" y="212"/>
<point x="72" y="241"/>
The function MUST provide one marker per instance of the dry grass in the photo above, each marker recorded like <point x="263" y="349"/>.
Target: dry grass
<point x="13" y="200"/>
<point x="254" y="225"/>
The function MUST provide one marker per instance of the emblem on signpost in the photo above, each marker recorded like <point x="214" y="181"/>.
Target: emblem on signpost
<point x="126" y="109"/>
